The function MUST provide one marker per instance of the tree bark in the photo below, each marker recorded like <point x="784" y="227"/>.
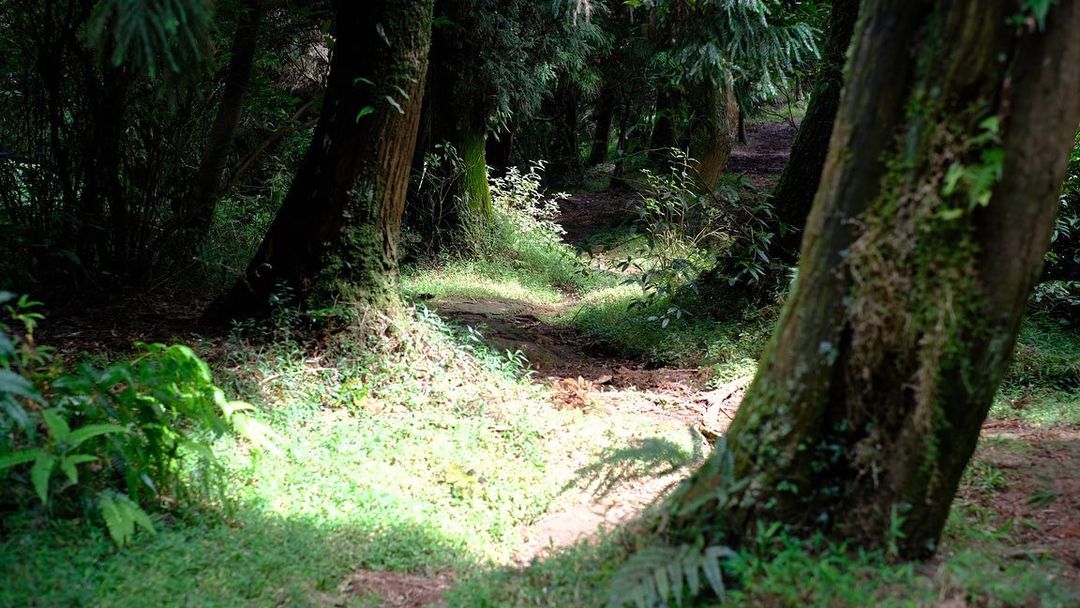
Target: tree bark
<point x="565" y="158"/>
<point x="794" y="192"/>
<point x="336" y="233"/>
<point x="713" y="128"/>
<point x="869" y="399"/>
<point x="602" y="118"/>
<point x="668" y="102"/>
<point x="199" y="210"/>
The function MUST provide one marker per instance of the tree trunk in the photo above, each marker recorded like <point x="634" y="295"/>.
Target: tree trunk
<point x="668" y="102"/>
<point x="475" y="189"/>
<point x="199" y="209"/>
<point x="336" y="233"/>
<point x="602" y="115"/>
<point x="794" y="192"/>
<point x="565" y="158"/>
<point x="914" y="275"/>
<point x="713" y="128"/>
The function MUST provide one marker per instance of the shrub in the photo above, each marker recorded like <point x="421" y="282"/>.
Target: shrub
<point x="110" y="441"/>
<point x="691" y="229"/>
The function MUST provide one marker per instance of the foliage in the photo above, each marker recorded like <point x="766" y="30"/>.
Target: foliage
<point x="133" y="435"/>
<point x="689" y="228"/>
<point x="1060" y="293"/>
<point x="106" y="111"/>
<point x="657" y="575"/>
<point x="158" y="36"/>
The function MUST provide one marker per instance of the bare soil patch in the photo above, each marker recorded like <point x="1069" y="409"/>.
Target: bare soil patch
<point x="1040" y="500"/>
<point x="397" y="590"/>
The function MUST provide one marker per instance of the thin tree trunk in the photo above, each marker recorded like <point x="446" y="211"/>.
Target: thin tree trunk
<point x="602" y="116"/>
<point x="336" y="233"/>
<point x="475" y="189"/>
<point x="668" y="102"/>
<point x="794" y="192"/>
<point x="199" y="209"/>
<point x="566" y="147"/>
<point x="869" y="399"/>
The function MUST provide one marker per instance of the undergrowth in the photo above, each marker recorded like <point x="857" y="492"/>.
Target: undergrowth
<point x="406" y="446"/>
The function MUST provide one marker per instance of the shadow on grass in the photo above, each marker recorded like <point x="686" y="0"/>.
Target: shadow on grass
<point x="256" y="559"/>
<point x="645" y="458"/>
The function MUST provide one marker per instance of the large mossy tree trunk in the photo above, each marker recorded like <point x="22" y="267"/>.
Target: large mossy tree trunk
<point x="793" y="195"/>
<point x="335" y="237"/>
<point x="927" y="234"/>
<point x="713" y="128"/>
<point x="455" y="113"/>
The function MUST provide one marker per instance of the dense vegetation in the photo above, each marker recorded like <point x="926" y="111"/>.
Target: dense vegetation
<point x="539" y="302"/>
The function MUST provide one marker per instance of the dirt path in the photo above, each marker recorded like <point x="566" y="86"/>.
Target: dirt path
<point x="1042" y="497"/>
<point x="583" y="373"/>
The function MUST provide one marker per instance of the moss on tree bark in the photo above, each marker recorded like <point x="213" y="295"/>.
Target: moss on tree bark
<point x="335" y="237"/>
<point x="913" y="279"/>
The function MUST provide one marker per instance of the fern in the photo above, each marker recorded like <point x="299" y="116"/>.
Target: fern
<point x="158" y="36"/>
<point x="656" y="575"/>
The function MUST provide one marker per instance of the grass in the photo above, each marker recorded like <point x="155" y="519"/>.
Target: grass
<point x="1043" y="384"/>
<point x="412" y="447"/>
<point x="429" y="460"/>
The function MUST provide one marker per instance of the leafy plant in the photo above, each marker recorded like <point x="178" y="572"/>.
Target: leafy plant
<point x="690" y="229"/>
<point x="121" y="438"/>
<point x="655" y="575"/>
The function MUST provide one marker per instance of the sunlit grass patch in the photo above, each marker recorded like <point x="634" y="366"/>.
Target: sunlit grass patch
<point x="426" y="456"/>
<point x="480" y="280"/>
<point x="1042" y="386"/>
<point x="729" y="347"/>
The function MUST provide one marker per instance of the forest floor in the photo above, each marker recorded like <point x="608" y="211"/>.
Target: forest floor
<point x="505" y="450"/>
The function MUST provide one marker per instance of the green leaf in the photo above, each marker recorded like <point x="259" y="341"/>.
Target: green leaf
<point x="40" y="474"/>
<point x="710" y="565"/>
<point x="16" y="458"/>
<point x="364" y="111"/>
<point x="17" y="413"/>
<point x="140" y="517"/>
<point x="67" y="465"/>
<point x="14" y="384"/>
<point x="81" y="434"/>
<point x="114" y="521"/>
<point x="58" y="427"/>
<point x="260" y="435"/>
<point x="7" y="347"/>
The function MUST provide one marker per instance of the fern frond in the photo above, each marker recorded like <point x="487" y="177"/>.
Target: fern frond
<point x="656" y="575"/>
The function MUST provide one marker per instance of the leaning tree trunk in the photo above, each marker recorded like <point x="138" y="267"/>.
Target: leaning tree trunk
<point x="198" y="212"/>
<point x="794" y="192"/>
<point x="927" y="234"/>
<point x="337" y="230"/>
<point x="713" y="128"/>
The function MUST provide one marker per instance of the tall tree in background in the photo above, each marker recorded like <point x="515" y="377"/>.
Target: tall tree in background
<point x="199" y="207"/>
<point x="705" y="49"/>
<point x="927" y="234"/>
<point x="794" y="192"/>
<point x="337" y="230"/>
<point x="492" y="65"/>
